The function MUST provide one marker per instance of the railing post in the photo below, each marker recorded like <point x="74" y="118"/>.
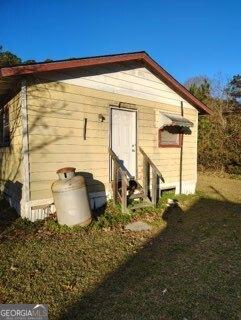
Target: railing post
<point x="146" y="176"/>
<point x="124" y="193"/>
<point x="115" y="182"/>
<point x="154" y="187"/>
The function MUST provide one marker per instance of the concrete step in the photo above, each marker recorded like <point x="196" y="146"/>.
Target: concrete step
<point x="143" y="204"/>
<point x="137" y="195"/>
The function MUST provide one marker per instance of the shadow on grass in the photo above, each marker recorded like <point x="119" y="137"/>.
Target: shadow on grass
<point x="191" y="270"/>
<point x="8" y="215"/>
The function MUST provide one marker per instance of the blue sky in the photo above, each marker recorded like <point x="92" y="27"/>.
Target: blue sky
<point x="187" y="38"/>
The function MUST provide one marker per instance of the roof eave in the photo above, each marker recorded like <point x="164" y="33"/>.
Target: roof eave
<point x="177" y="86"/>
<point x="69" y="64"/>
<point x="95" y="61"/>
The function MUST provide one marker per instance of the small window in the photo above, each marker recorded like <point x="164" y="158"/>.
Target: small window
<point x="4" y="127"/>
<point x="170" y="137"/>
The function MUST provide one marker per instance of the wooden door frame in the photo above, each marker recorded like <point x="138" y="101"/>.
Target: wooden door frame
<point x="112" y="107"/>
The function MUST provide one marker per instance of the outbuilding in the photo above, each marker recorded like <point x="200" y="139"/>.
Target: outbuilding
<point x="115" y="118"/>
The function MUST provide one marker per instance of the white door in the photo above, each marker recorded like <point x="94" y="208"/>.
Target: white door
<point x="123" y="137"/>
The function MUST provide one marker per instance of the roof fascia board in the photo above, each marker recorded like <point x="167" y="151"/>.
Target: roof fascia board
<point x="68" y="64"/>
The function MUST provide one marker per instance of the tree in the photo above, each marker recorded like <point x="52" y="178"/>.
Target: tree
<point x="8" y="59"/>
<point x="234" y="89"/>
<point x="200" y="87"/>
<point x="202" y="92"/>
<point x="219" y="140"/>
<point x="31" y="61"/>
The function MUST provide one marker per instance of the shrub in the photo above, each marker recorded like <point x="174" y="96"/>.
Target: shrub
<point x="219" y="142"/>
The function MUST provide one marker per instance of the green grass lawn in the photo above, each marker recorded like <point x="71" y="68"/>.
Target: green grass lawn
<point x="187" y="267"/>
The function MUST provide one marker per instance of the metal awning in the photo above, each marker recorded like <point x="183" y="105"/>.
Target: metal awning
<point x="168" y="119"/>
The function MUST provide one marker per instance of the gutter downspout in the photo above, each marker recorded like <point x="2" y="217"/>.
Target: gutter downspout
<point x="25" y="209"/>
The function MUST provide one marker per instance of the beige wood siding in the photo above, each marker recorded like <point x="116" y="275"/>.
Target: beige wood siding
<point x="56" y="113"/>
<point x="11" y="157"/>
<point x="131" y="79"/>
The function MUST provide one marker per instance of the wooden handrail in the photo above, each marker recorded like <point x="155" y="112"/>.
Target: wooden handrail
<point x="119" y="163"/>
<point x="120" y="173"/>
<point x="147" y="163"/>
<point x="151" y="164"/>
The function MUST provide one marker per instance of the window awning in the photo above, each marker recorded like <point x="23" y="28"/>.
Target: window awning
<point x="168" y="119"/>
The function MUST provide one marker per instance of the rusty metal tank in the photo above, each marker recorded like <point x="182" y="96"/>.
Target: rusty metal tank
<point x="70" y="198"/>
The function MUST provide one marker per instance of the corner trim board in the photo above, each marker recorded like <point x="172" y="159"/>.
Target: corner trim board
<point x="25" y="210"/>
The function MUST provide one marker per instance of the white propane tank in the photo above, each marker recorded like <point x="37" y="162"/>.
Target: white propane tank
<point x="70" y="198"/>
